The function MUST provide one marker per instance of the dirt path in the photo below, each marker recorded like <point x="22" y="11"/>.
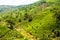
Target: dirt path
<point x="25" y="33"/>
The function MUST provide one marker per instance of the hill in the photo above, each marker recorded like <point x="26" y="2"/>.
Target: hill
<point x="6" y="8"/>
<point x="38" y="21"/>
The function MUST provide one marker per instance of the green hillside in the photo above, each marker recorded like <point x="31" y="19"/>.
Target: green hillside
<point x="38" y="21"/>
<point x="6" y="8"/>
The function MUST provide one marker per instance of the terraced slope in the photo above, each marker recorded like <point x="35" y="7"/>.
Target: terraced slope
<point x="31" y="23"/>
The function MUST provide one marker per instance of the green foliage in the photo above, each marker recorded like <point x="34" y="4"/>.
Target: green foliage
<point x="52" y="0"/>
<point x="42" y="23"/>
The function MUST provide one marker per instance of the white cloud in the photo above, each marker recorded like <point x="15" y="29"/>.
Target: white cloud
<point x="16" y="2"/>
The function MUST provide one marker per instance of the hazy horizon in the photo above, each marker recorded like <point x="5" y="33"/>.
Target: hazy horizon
<point x="17" y="2"/>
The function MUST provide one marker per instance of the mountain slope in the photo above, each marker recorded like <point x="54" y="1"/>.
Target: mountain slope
<point x="39" y="20"/>
<point x="6" y="8"/>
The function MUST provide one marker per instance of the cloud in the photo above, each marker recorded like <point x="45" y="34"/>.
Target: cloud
<point x="16" y="2"/>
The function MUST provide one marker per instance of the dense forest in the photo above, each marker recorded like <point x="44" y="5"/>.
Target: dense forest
<point x="37" y="21"/>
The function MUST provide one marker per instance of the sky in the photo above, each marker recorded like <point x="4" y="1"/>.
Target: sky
<point x="17" y="2"/>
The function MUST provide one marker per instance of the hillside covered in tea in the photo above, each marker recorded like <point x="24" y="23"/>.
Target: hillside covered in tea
<point x="37" y="21"/>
